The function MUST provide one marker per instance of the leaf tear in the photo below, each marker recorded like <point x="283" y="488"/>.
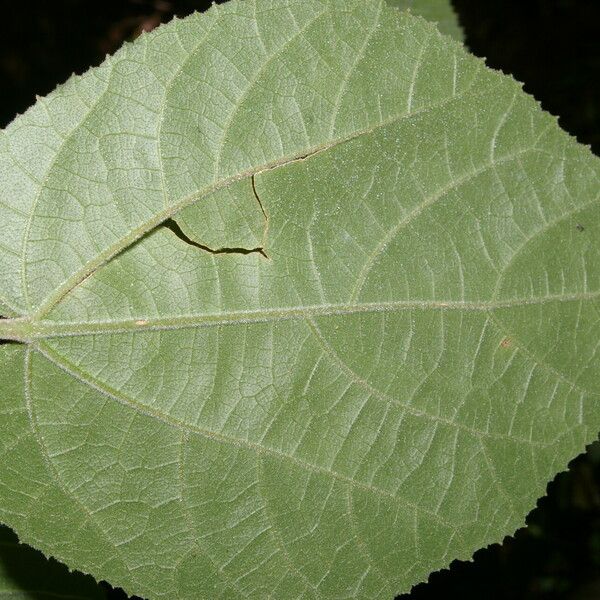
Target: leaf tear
<point x="213" y="227"/>
<point x="174" y="227"/>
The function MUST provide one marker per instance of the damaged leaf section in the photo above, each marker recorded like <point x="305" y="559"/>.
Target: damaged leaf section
<point x="174" y="227"/>
<point x="231" y="220"/>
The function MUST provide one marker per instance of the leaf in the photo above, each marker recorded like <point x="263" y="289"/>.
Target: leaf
<point x="388" y="387"/>
<point x="440" y="12"/>
<point x="25" y="574"/>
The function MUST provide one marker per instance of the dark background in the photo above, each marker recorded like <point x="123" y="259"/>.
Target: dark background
<point x="553" y="46"/>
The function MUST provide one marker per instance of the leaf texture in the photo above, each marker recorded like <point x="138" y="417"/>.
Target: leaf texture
<point x="388" y="386"/>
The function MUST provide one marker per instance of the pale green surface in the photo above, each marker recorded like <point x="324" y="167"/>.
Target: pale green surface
<point x="391" y="389"/>
<point x="440" y="12"/>
<point x="26" y="575"/>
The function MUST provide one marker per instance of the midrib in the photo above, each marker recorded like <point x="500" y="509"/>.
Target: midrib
<point x="28" y="330"/>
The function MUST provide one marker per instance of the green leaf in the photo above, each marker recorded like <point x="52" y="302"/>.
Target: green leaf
<point x="26" y="574"/>
<point x="440" y="12"/>
<point x="388" y="385"/>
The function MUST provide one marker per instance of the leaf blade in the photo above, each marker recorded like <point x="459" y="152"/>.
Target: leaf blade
<point x="362" y="368"/>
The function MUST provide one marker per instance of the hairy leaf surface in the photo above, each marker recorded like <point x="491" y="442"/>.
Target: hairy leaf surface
<point x="302" y="302"/>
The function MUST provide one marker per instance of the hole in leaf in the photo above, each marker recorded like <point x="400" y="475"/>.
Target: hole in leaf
<point x="176" y="229"/>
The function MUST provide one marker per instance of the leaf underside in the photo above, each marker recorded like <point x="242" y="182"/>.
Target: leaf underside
<point x="387" y="385"/>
